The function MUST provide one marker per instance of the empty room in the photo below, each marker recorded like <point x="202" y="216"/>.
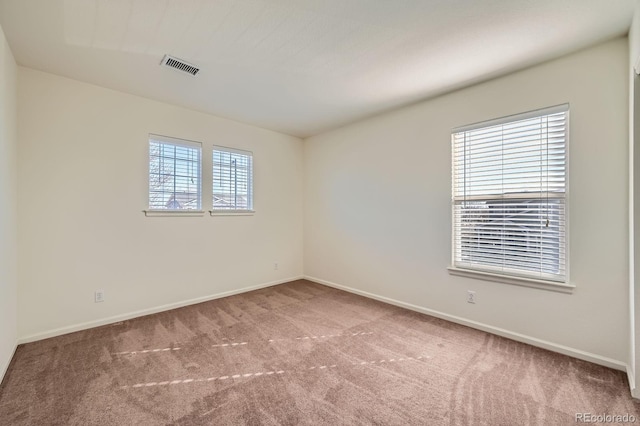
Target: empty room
<point x="308" y="212"/>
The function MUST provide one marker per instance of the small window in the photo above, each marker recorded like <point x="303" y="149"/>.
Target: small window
<point x="509" y="196"/>
<point x="232" y="180"/>
<point x="174" y="174"/>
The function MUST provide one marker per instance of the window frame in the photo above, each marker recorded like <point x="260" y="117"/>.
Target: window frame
<point x="564" y="286"/>
<point x="249" y="211"/>
<point x="178" y="142"/>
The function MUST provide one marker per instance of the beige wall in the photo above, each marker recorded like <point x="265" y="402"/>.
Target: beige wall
<point x="83" y="184"/>
<point x="8" y="206"/>
<point x="378" y="215"/>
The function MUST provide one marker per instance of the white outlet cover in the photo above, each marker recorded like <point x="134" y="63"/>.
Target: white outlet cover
<point x="471" y="296"/>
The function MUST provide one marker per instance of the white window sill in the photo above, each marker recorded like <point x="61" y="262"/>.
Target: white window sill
<point x="521" y="281"/>
<point x="231" y="212"/>
<point x="166" y="213"/>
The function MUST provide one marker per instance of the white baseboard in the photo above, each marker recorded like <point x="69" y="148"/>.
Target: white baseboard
<point x="632" y="382"/>
<point x="554" y="347"/>
<point x="565" y="350"/>
<point x="5" y="366"/>
<point x="122" y="317"/>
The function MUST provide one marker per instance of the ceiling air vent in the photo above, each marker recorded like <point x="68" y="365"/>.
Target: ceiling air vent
<point x="179" y="64"/>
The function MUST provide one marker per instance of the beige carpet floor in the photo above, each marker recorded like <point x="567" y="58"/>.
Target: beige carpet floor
<point x="300" y="354"/>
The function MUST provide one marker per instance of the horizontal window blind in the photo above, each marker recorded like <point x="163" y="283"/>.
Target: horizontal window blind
<point x="232" y="179"/>
<point x="174" y="174"/>
<point x="509" y="195"/>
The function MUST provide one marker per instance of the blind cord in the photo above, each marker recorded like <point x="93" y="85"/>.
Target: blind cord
<point x="547" y="165"/>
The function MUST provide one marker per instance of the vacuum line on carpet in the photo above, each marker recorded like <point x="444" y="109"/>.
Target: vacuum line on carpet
<point x="237" y="344"/>
<point x="224" y="345"/>
<point x="146" y="351"/>
<point x="324" y="336"/>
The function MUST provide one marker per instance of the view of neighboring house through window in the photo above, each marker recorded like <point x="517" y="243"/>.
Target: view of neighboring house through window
<point x="232" y="179"/>
<point x="509" y="195"/>
<point x="174" y="174"/>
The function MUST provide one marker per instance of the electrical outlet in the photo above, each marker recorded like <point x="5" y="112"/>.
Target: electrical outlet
<point x="471" y="296"/>
<point x="99" y="296"/>
<point x="275" y="266"/>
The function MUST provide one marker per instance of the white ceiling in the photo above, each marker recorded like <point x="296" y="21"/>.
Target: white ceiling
<point x="300" y="66"/>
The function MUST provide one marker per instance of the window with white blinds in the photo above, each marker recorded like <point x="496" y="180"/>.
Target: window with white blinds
<point x="509" y="195"/>
<point x="232" y="180"/>
<point x="174" y="174"/>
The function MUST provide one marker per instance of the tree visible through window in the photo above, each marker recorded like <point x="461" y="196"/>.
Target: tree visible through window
<point x="509" y="195"/>
<point x="174" y="174"/>
<point x="232" y="179"/>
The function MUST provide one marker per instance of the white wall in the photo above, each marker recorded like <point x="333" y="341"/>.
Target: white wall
<point x="378" y="218"/>
<point x="83" y="184"/>
<point x="8" y="206"/>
